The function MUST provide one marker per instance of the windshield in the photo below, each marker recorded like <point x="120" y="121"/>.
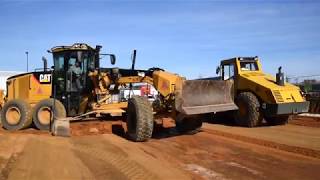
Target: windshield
<point x="77" y="63"/>
<point x="249" y="66"/>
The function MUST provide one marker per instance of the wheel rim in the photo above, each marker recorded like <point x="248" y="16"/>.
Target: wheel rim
<point x="44" y="115"/>
<point x="13" y="115"/>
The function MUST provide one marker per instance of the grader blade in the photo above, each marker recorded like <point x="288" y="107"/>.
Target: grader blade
<point x="204" y="96"/>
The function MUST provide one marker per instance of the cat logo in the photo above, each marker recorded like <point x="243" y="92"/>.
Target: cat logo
<point x="45" y="78"/>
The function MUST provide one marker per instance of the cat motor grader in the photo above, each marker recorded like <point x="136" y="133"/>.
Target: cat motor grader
<point x="77" y="87"/>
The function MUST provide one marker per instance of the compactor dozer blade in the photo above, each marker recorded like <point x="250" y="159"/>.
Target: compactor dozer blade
<point x="204" y="96"/>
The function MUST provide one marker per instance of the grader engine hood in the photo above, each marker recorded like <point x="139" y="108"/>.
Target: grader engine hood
<point x="204" y="96"/>
<point x="266" y="86"/>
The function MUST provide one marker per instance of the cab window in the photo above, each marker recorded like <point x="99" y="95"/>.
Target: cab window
<point x="248" y="66"/>
<point x="228" y="71"/>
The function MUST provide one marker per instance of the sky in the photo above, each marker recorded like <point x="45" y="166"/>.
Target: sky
<point x="186" y="37"/>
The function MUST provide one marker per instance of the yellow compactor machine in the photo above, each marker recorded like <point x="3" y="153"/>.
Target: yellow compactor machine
<point x="261" y="96"/>
<point x="77" y="86"/>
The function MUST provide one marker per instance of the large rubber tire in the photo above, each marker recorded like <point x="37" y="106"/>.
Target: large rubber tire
<point x="278" y="120"/>
<point x="189" y="125"/>
<point x="248" y="114"/>
<point x="139" y="119"/>
<point x="42" y="113"/>
<point x="16" y="114"/>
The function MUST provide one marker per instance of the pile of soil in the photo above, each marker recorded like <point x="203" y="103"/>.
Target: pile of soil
<point x="97" y="127"/>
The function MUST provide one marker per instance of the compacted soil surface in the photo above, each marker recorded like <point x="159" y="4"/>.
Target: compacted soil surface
<point x="100" y="150"/>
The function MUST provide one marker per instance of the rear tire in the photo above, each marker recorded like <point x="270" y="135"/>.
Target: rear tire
<point x="189" y="125"/>
<point x="16" y="114"/>
<point x="139" y="119"/>
<point x="278" y="120"/>
<point x="42" y="113"/>
<point x="248" y="114"/>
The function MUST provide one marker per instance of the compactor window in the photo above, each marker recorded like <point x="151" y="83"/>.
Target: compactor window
<point x="249" y="66"/>
<point x="228" y="71"/>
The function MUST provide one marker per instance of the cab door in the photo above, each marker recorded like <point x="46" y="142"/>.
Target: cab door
<point x="228" y="71"/>
<point x="70" y="80"/>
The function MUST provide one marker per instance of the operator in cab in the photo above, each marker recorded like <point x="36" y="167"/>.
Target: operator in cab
<point x="76" y="72"/>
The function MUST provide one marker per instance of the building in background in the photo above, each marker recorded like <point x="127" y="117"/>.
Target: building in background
<point x="4" y="76"/>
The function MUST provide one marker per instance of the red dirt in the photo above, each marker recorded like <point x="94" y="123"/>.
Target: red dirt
<point x="269" y="144"/>
<point x="216" y="157"/>
<point x="207" y="155"/>
<point x="94" y="127"/>
<point x="85" y="128"/>
<point x="306" y="121"/>
<point x="25" y="131"/>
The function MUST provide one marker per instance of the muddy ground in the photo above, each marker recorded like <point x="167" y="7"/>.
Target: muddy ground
<point x="99" y="150"/>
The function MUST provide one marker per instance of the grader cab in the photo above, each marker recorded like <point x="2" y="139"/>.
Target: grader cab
<point x="78" y="86"/>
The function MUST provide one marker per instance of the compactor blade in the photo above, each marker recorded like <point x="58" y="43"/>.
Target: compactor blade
<point x="204" y="96"/>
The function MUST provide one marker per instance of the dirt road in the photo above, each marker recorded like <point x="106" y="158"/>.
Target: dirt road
<point x="167" y="156"/>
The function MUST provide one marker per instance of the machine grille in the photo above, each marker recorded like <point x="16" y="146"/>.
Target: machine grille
<point x="278" y="96"/>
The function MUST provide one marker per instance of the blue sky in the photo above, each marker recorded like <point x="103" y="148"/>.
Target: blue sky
<point x="186" y="37"/>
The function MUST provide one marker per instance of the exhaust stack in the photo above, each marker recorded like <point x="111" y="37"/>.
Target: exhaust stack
<point x="45" y="63"/>
<point x="280" y="77"/>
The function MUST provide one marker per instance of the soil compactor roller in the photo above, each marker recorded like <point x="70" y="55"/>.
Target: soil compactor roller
<point x="259" y="95"/>
<point x="77" y="87"/>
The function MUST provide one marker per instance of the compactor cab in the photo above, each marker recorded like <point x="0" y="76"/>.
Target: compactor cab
<point x="230" y="68"/>
<point x="261" y="96"/>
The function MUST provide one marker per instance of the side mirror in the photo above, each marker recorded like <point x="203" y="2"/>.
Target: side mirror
<point x="112" y="59"/>
<point x="218" y="70"/>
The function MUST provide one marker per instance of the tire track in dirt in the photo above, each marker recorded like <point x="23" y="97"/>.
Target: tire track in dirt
<point x="11" y="148"/>
<point x="130" y="169"/>
<point x="5" y="171"/>
<point x="292" y="149"/>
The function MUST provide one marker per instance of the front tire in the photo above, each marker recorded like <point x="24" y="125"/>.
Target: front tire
<point x="43" y="115"/>
<point x="16" y="114"/>
<point x="248" y="114"/>
<point x="139" y="119"/>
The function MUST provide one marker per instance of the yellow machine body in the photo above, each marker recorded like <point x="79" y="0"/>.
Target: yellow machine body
<point x="30" y="87"/>
<point x="166" y="82"/>
<point x="265" y="87"/>
<point x="2" y="98"/>
<point x="275" y="98"/>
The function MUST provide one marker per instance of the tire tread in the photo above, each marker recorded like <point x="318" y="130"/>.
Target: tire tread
<point x="144" y="117"/>
<point x="253" y="118"/>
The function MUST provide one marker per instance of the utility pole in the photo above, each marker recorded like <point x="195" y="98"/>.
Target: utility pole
<point x="27" y="53"/>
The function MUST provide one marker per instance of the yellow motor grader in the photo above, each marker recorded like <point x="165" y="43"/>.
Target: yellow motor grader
<point x="77" y="87"/>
